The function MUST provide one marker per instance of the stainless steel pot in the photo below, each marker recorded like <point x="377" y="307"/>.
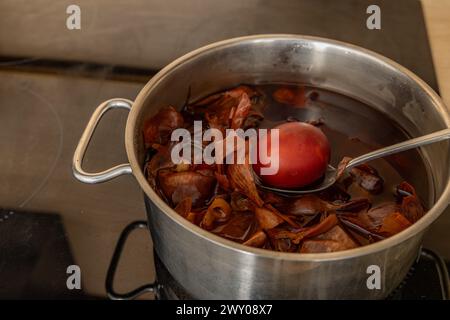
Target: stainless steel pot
<point x="208" y="266"/>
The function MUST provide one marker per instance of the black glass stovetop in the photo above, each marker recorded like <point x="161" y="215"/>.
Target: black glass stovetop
<point x="52" y="79"/>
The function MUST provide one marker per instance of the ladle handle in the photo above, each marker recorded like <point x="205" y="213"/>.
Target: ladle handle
<point x="399" y="147"/>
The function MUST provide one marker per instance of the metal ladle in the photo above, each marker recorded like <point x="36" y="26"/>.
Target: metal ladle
<point x="331" y="174"/>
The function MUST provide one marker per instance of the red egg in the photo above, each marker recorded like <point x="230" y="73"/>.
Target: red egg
<point x="304" y="153"/>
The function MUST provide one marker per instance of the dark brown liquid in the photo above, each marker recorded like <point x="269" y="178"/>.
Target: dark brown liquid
<point x="353" y="129"/>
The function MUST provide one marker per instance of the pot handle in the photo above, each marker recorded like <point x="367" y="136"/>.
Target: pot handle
<point x="97" y="177"/>
<point x="151" y="287"/>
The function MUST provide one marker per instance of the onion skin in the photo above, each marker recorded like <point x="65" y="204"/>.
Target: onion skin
<point x="241" y="179"/>
<point x="225" y="199"/>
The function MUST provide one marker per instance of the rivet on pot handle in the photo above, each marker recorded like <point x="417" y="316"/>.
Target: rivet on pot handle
<point x="97" y="177"/>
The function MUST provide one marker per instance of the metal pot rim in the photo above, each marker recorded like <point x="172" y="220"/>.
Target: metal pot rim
<point x="137" y="171"/>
